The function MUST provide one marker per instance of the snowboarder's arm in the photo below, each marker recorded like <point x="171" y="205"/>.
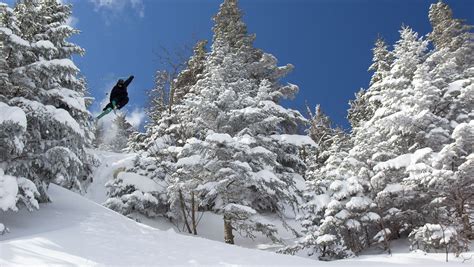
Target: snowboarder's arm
<point x="129" y="80"/>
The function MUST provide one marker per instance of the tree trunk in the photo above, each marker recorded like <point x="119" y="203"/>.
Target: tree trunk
<point x="193" y="214"/>
<point x="183" y="210"/>
<point x="467" y="226"/>
<point x="461" y="211"/>
<point x="385" y="239"/>
<point x="228" y="236"/>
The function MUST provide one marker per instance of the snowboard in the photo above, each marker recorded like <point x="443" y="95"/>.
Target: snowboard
<point x="105" y="112"/>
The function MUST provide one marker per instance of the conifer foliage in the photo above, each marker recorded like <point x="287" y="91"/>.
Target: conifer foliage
<point x="227" y="146"/>
<point x="406" y="168"/>
<point x="44" y="123"/>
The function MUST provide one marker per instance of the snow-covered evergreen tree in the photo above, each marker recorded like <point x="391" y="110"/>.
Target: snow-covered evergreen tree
<point x="190" y="75"/>
<point x="446" y="176"/>
<point x="15" y="191"/>
<point x="357" y="199"/>
<point x="406" y="170"/>
<point x="448" y="32"/>
<point x="229" y="120"/>
<point x="329" y="226"/>
<point x="157" y="148"/>
<point x="44" y="83"/>
<point x="237" y="98"/>
<point x="381" y="61"/>
<point x="362" y="108"/>
<point x="324" y="135"/>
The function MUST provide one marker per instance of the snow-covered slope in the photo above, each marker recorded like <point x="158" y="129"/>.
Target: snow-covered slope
<point x="75" y="231"/>
<point x="110" y="163"/>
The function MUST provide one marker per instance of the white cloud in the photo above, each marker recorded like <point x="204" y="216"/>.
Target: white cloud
<point x="136" y="117"/>
<point x="72" y="21"/>
<point x="118" y="6"/>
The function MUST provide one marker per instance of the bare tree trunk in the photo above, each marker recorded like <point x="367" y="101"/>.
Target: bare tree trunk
<point x="446" y="248"/>
<point x="171" y="98"/>
<point x="467" y="226"/>
<point x="228" y="236"/>
<point x="461" y="211"/>
<point x="367" y="237"/>
<point x="183" y="210"/>
<point x="385" y="239"/>
<point x="193" y="213"/>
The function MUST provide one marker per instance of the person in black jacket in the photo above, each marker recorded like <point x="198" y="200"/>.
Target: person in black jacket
<point x="119" y="94"/>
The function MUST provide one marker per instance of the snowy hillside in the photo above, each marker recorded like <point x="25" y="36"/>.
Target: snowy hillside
<point x="74" y="230"/>
<point x="226" y="173"/>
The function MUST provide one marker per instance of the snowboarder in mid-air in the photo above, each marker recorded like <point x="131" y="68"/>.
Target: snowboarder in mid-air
<point x="118" y="96"/>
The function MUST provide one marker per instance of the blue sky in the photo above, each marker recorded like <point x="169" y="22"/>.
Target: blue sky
<point x="328" y="41"/>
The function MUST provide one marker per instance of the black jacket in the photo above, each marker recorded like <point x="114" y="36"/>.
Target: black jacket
<point x="119" y="92"/>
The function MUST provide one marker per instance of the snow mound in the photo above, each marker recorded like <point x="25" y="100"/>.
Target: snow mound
<point x="141" y="183"/>
<point x="8" y="192"/>
<point x="403" y="161"/>
<point x="12" y="114"/>
<point x="295" y="139"/>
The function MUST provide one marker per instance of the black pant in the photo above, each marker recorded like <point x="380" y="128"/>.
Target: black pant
<point x="119" y="103"/>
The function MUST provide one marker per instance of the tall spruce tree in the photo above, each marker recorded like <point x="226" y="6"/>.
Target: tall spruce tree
<point x="157" y="148"/>
<point x="362" y="108"/>
<point x="406" y="171"/>
<point x="229" y="115"/>
<point x="237" y="99"/>
<point x="45" y="84"/>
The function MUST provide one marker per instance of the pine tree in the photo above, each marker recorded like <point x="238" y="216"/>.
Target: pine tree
<point x="238" y="97"/>
<point x="348" y="195"/>
<point x="228" y="114"/>
<point x="446" y="176"/>
<point x="406" y="169"/>
<point x="324" y="135"/>
<point x="157" y="149"/>
<point x="45" y="84"/>
<point x="329" y="226"/>
<point x="191" y="74"/>
<point x="381" y="61"/>
<point x="362" y="108"/>
<point x="16" y="191"/>
<point x="448" y="32"/>
<point x="451" y="61"/>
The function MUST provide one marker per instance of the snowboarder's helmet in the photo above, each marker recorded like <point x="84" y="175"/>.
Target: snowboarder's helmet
<point x="121" y="82"/>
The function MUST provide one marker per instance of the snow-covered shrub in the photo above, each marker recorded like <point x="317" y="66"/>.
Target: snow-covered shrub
<point x="3" y="229"/>
<point x="331" y="247"/>
<point x="131" y="193"/>
<point x="433" y="237"/>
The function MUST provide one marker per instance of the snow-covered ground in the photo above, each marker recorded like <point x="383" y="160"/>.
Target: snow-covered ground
<point x="76" y="231"/>
<point x="110" y="163"/>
